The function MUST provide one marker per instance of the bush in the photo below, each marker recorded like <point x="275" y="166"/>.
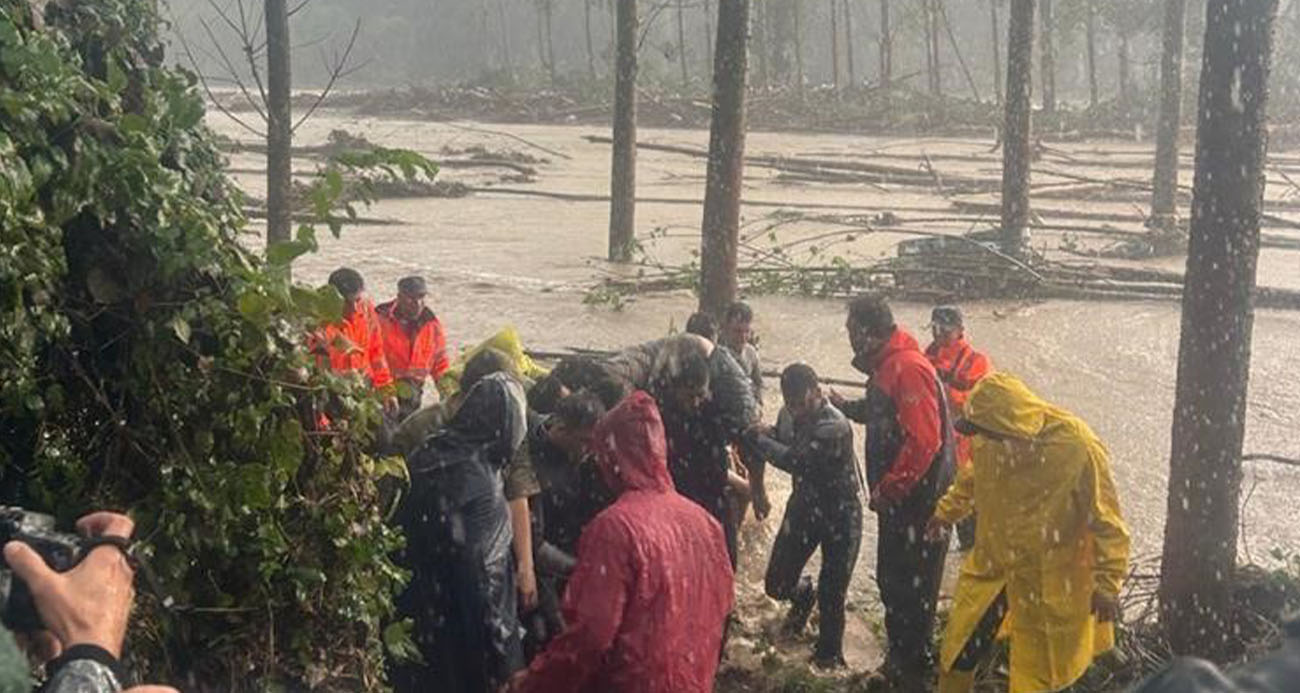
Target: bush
<point x="153" y="365"/>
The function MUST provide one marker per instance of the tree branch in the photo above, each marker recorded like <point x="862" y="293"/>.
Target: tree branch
<point x="335" y="72"/>
<point x="234" y="74"/>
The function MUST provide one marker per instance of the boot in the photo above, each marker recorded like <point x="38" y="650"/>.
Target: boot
<point x="801" y="606"/>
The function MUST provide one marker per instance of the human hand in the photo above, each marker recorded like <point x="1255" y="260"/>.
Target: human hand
<point x="515" y="682"/>
<point x="1105" y="607"/>
<point x="90" y="604"/>
<point x="391" y="404"/>
<point x="526" y="583"/>
<point x="836" y="398"/>
<point x="937" y="530"/>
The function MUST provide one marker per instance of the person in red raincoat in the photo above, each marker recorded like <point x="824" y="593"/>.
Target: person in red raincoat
<point x="960" y="367"/>
<point x="646" y="605"/>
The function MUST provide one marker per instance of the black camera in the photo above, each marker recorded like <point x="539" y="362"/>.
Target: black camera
<point x="61" y="552"/>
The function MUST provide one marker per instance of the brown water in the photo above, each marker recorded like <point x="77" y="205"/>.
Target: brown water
<point x="508" y="260"/>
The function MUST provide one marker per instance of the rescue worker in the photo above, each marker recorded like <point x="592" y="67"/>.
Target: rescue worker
<point x="458" y="532"/>
<point x="571" y="494"/>
<point x="706" y="404"/>
<point x="910" y="464"/>
<point x="646" y="604"/>
<point x="1051" y="550"/>
<point x="813" y="442"/>
<point x="736" y="336"/>
<point x="415" y="344"/>
<point x="355" y="344"/>
<point x="959" y="367"/>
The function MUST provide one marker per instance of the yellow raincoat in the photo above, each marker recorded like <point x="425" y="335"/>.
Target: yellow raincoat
<point x="1049" y="534"/>
<point x="508" y="342"/>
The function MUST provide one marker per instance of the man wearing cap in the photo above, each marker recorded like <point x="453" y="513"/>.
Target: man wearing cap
<point x="415" y="344"/>
<point x="959" y="367"/>
<point x="354" y="344"/>
<point x="910" y="464"/>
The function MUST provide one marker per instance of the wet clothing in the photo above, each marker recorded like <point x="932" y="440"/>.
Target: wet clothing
<point x="462" y="592"/>
<point x="698" y="455"/>
<point x="508" y="342"/>
<point x="910" y="464"/>
<point x="825" y="509"/>
<point x="416" y="350"/>
<point x="960" y="367"/>
<point x="749" y="362"/>
<point x="1050" y="535"/>
<point x="646" y="605"/>
<point x="354" y="345"/>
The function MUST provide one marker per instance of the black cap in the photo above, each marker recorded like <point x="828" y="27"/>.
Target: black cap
<point x="348" y="281"/>
<point x="412" y="286"/>
<point x="946" y="316"/>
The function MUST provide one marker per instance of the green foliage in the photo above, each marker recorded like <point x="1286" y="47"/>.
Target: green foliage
<point x="151" y="364"/>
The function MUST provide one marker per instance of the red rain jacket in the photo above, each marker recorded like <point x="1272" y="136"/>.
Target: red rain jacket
<point x="906" y="376"/>
<point x="413" y="355"/>
<point x="355" y="344"/>
<point x="646" y="604"/>
<point x="959" y="367"/>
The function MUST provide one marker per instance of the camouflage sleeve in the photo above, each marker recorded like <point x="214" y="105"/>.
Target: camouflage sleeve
<point x="83" y="669"/>
<point x="520" y="477"/>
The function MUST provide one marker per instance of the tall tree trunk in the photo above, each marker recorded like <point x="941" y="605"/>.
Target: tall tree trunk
<point x="1125" y="87"/>
<point x="1015" y="129"/>
<point x="591" y="47"/>
<point x="681" y="44"/>
<point x="848" y="40"/>
<point x="1047" y="58"/>
<point x="708" y="36"/>
<point x="720" y="229"/>
<point x="1093" y="96"/>
<point x="797" y="6"/>
<point x="1164" y="196"/>
<point x="622" y="208"/>
<point x="932" y="67"/>
<point x="549" y="10"/>
<point x="762" y="43"/>
<point x="279" y="125"/>
<point x="505" y="40"/>
<point x="886" y="49"/>
<point x="835" y="44"/>
<point x="1200" y="545"/>
<point x="956" y="49"/>
<point x="997" y="51"/>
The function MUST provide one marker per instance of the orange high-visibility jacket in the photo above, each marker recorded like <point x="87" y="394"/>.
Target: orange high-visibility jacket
<point x="413" y="354"/>
<point x="960" y="367"/>
<point x="355" y="345"/>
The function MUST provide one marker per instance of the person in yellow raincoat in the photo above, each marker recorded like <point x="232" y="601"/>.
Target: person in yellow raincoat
<point x="1051" y="548"/>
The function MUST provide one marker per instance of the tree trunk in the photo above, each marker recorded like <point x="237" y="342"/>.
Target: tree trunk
<point x="1047" y="57"/>
<point x="1093" y="96"/>
<point x="591" y="48"/>
<point x="931" y="20"/>
<point x="835" y="44"/>
<point x="956" y="50"/>
<point x="681" y="45"/>
<point x="1164" y="196"/>
<point x="848" y="41"/>
<point x="762" y="44"/>
<point x="1201" y="527"/>
<point x="886" y="48"/>
<point x="1015" y="129"/>
<point x="1124" y="86"/>
<point x="708" y="36"/>
<point x="797" y="6"/>
<point x="548" y="12"/>
<point x="997" y="52"/>
<point x="622" y="208"/>
<point x="279" y="125"/>
<point x="720" y="229"/>
<point x="505" y="39"/>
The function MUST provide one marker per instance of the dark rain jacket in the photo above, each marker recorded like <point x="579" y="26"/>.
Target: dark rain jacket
<point x="817" y="454"/>
<point x="457" y="524"/>
<point x="1279" y="672"/>
<point x="646" y="605"/>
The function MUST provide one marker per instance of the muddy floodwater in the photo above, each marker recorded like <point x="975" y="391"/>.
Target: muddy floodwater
<point x="510" y="259"/>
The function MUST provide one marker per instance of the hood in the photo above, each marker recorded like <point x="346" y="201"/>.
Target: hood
<point x="630" y="448"/>
<point x="492" y="414"/>
<point x="1001" y="403"/>
<point x="899" y="342"/>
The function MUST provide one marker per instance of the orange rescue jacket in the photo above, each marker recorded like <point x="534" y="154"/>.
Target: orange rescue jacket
<point x="354" y="345"/>
<point x="414" y="350"/>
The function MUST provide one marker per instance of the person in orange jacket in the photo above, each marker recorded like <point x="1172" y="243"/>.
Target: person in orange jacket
<point x="960" y="367"/>
<point x="355" y="344"/>
<point x="415" y="343"/>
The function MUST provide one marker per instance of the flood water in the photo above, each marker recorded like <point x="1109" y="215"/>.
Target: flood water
<point x="495" y="260"/>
